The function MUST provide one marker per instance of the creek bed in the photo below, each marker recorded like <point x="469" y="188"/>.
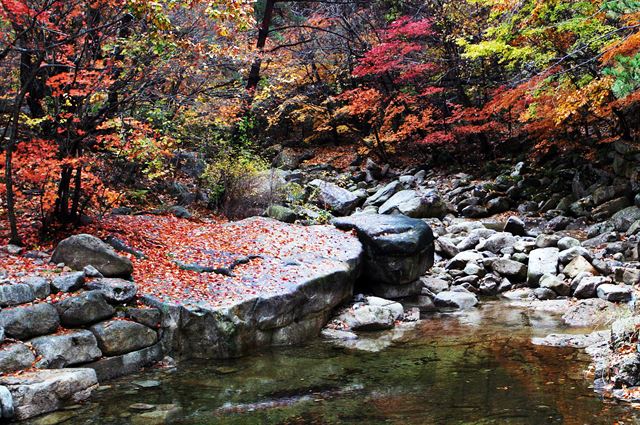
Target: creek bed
<point x="477" y="367"/>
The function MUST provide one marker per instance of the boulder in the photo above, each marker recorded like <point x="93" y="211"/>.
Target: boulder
<point x="126" y="364"/>
<point x="84" y="309"/>
<point x="414" y="204"/>
<point x="39" y="285"/>
<point x="15" y="294"/>
<point x="455" y="300"/>
<point x="396" y="291"/>
<point x="41" y="391"/>
<point x="556" y="284"/>
<point x="82" y="250"/>
<point x="460" y="261"/>
<point x="515" y="226"/>
<point x="115" y="291"/>
<point x="330" y="196"/>
<point x="383" y="194"/>
<point x="498" y="242"/>
<point x="544" y="294"/>
<point x="434" y="285"/>
<point x="587" y="286"/>
<point x="66" y="349"/>
<point x="398" y="249"/>
<point x="6" y="404"/>
<point x="623" y="219"/>
<point x="568" y="243"/>
<point x="510" y="268"/>
<point x="579" y="265"/>
<point x="69" y="282"/>
<point x="14" y="357"/>
<point x="542" y="261"/>
<point x="117" y="337"/>
<point x="446" y="247"/>
<point x="570" y="254"/>
<point x="28" y="321"/>
<point x="615" y="293"/>
<point x="372" y="317"/>
<point x="150" y="317"/>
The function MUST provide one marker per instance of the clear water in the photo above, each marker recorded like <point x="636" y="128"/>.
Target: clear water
<point x="472" y="368"/>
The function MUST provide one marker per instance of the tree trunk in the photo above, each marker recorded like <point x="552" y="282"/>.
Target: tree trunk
<point x="263" y="34"/>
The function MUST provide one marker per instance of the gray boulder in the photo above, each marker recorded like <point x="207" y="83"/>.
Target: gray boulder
<point x="330" y="196"/>
<point x="14" y="357"/>
<point x="6" y="404"/>
<point x="117" y="337"/>
<point x="66" y="349"/>
<point x="434" y="285"/>
<point x="455" y="300"/>
<point x="556" y="284"/>
<point x="126" y="364"/>
<point x="515" y="226"/>
<point x="587" y="286"/>
<point x="579" y="265"/>
<point x="414" y="204"/>
<point x="116" y="291"/>
<point x="83" y="250"/>
<point x="498" y="242"/>
<point x="28" y="321"/>
<point x="615" y="293"/>
<point x="542" y="261"/>
<point x="70" y="282"/>
<point x="39" y="285"/>
<point x="383" y="194"/>
<point x="281" y="213"/>
<point x="150" y="317"/>
<point x="43" y="391"/>
<point x="84" y="309"/>
<point x="510" y="268"/>
<point x="623" y="219"/>
<point x="15" y="294"/>
<point x="398" y="249"/>
<point x="460" y="261"/>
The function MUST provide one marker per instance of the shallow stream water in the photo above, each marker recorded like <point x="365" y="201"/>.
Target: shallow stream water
<point x="477" y="367"/>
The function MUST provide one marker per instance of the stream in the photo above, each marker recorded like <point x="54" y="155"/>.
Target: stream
<point x="475" y="367"/>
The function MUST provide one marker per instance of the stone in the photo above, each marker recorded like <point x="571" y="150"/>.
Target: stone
<point x="414" y="204"/>
<point x="383" y="194"/>
<point x="6" y="404"/>
<point x="150" y="317"/>
<point x="15" y="293"/>
<point x="489" y="285"/>
<point x="623" y="219"/>
<point x="455" y="300"/>
<point x="510" y="268"/>
<point x="519" y="294"/>
<point x="515" y="226"/>
<point x="420" y="303"/>
<point x="281" y="213"/>
<point x="558" y="223"/>
<point x="498" y="242"/>
<point x="579" y="265"/>
<point x="475" y="211"/>
<point x="568" y="243"/>
<point x="179" y="211"/>
<point x="614" y="293"/>
<point x="570" y="254"/>
<point x="117" y="337"/>
<point x="394" y="292"/>
<point x="460" y="261"/>
<point x="25" y="322"/>
<point x="338" y="200"/>
<point x="434" y="285"/>
<point x="42" y="391"/>
<point x="556" y="284"/>
<point x="369" y="317"/>
<point x="446" y="247"/>
<point x="84" y="309"/>
<point x="91" y="272"/>
<point x="587" y="286"/>
<point x="544" y="294"/>
<point x="69" y="282"/>
<point x="547" y="241"/>
<point x="398" y="249"/>
<point x="115" y="291"/>
<point x="498" y="205"/>
<point x="126" y="364"/>
<point x="337" y="334"/>
<point x="83" y="250"/>
<point x="472" y="269"/>
<point x="542" y="261"/>
<point x="610" y="207"/>
<point x="39" y="285"/>
<point x="14" y="357"/>
<point x="624" y="331"/>
<point x="66" y="349"/>
<point x="627" y="276"/>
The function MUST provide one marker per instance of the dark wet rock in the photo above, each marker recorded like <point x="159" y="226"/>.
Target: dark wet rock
<point x="85" y="309"/>
<point x="117" y="337"/>
<point x="542" y="261"/>
<point x="558" y="223"/>
<point x="328" y="195"/>
<point x="383" y="194"/>
<point x="398" y="249"/>
<point x="14" y="357"/>
<point x="615" y="293"/>
<point x="150" y="317"/>
<point x="69" y="282"/>
<point x="460" y="261"/>
<point x="510" y="268"/>
<point x="422" y="303"/>
<point x="12" y="294"/>
<point x="39" y="285"/>
<point x="37" y="392"/>
<point x="82" y="250"/>
<point x="394" y="292"/>
<point x="25" y="322"/>
<point x="126" y="364"/>
<point x="455" y="300"/>
<point x="515" y="226"/>
<point x="115" y="291"/>
<point x="498" y="205"/>
<point x="475" y="211"/>
<point x="66" y="349"/>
